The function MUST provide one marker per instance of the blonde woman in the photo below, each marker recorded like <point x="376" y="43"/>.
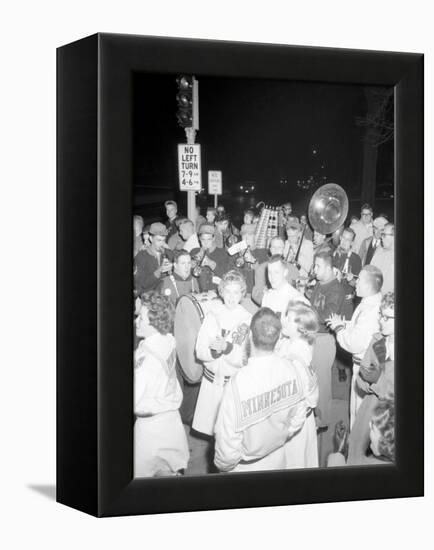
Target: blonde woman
<point x="299" y="327"/>
<point x="220" y="345"/>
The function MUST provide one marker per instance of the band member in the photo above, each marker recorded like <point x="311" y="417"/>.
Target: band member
<point x="322" y="243"/>
<point x="160" y="443"/>
<point x="308" y="233"/>
<point x="281" y="292"/>
<point x="249" y="215"/>
<point x="138" y="238"/>
<point x="370" y="245"/>
<point x="172" y="215"/>
<point x="328" y="295"/>
<point x="181" y="281"/>
<point x="355" y="335"/>
<point x="277" y="246"/>
<point x="244" y="261"/>
<point x="262" y="407"/>
<point x="145" y="236"/>
<point x="209" y="262"/>
<point x="327" y="298"/>
<point x="220" y="210"/>
<point x="297" y="250"/>
<point x="153" y="262"/>
<point x="188" y="235"/>
<point x="248" y="234"/>
<point x="224" y="229"/>
<point x="362" y="228"/>
<point x="384" y="258"/>
<point x="299" y="328"/>
<point x="347" y="265"/>
<point x="199" y="219"/>
<point x="175" y="241"/>
<point x="285" y="219"/>
<point x="220" y="345"/>
<point x="211" y="214"/>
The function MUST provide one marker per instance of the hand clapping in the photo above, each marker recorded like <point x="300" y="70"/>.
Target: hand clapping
<point x="335" y="321"/>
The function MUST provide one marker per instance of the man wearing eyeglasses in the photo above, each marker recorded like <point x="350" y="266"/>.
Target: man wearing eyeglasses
<point x="362" y="228"/>
<point x="376" y="378"/>
<point x="370" y="245"/>
<point x="384" y="258"/>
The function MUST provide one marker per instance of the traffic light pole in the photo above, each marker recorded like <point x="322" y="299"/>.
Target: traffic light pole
<point x="191" y="195"/>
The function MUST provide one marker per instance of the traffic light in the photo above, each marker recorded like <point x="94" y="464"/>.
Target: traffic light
<point x="187" y="99"/>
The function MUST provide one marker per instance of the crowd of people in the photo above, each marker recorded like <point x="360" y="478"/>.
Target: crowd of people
<point x="275" y="326"/>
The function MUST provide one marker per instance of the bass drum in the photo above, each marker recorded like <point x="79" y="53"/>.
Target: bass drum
<point x="189" y="314"/>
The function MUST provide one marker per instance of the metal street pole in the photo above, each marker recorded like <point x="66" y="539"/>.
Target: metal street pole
<point x="191" y="195"/>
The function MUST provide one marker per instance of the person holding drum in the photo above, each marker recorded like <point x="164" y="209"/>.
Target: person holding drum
<point x="181" y="281"/>
<point x="220" y="345"/>
<point x="160" y="443"/>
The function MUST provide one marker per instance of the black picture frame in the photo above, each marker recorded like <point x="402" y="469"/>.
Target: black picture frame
<point x="94" y="274"/>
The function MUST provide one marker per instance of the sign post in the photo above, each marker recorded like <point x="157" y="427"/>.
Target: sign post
<point x="190" y="174"/>
<point x="214" y="184"/>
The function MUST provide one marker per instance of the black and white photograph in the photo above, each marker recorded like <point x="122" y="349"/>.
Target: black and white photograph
<point x="264" y="279"/>
<point x="198" y="348"/>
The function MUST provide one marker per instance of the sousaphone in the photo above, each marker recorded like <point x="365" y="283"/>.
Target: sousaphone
<point x="328" y="208"/>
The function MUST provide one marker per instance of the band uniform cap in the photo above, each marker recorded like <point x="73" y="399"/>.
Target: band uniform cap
<point x="158" y="228"/>
<point x="206" y="228"/>
<point x="380" y="222"/>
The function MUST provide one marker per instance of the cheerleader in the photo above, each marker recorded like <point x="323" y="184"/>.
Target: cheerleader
<point x="299" y="327"/>
<point x="160" y="443"/>
<point x="220" y="345"/>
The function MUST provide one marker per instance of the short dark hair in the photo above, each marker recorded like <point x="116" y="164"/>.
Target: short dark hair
<point x="325" y="256"/>
<point x="265" y="327"/>
<point x="222" y="218"/>
<point x="180" y="220"/>
<point x="367" y="206"/>
<point x="349" y="230"/>
<point x="161" y="311"/>
<point x="375" y="276"/>
<point x="178" y="253"/>
<point x="388" y="301"/>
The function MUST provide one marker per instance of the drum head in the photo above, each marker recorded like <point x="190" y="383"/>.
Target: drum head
<point x="188" y="319"/>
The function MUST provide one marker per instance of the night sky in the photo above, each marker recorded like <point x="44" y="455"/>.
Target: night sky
<point x="253" y="130"/>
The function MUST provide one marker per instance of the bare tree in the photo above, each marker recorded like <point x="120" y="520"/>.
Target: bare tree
<point x="379" y="128"/>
